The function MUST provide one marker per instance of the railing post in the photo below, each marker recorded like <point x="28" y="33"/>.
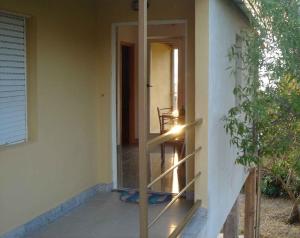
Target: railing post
<point x="142" y="109"/>
<point x="250" y="195"/>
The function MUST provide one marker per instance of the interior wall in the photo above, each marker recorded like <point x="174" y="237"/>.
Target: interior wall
<point x="59" y="160"/>
<point x="225" y="177"/>
<point x="160" y="81"/>
<point x="118" y="11"/>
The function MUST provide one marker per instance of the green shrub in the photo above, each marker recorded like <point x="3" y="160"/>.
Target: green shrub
<point x="271" y="187"/>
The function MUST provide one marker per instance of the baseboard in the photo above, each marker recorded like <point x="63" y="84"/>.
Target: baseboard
<point x="57" y="212"/>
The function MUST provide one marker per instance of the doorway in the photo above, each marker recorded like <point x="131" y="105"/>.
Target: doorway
<point x="166" y="87"/>
<point x="127" y="94"/>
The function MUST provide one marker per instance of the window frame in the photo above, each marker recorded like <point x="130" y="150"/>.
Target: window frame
<point x="25" y="55"/>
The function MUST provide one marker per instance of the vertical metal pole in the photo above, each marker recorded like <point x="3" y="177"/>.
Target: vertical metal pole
<point x="142" y="71"/>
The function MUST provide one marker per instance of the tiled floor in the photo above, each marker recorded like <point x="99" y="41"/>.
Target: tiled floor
<point x="105" y="216"/>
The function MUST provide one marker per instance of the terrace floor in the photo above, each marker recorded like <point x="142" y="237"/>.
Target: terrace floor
<point x="108" y="217"/>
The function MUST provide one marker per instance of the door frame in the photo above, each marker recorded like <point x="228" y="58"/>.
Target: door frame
<point x="114" y="96"/>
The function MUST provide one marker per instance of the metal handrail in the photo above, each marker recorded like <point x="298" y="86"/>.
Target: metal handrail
<point x="173" y="133"/>
<point x="173" y="200"/>
<point x="173" y="167"/>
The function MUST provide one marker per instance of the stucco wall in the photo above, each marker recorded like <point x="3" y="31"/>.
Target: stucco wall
<point x="217" y="24"/>
<point x="201" y="96"/>
<point x="225" y="177"/>
<point x="70" y="96"/>
<point x="59" y="160"/>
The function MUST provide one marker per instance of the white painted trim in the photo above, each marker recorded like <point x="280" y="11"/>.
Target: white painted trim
<point x="26" y="79"/>
<point x="186" y="93"/>
<point x="114" y="84"/>
<point x="114" y="108"/>
<point x="24" y="18"/>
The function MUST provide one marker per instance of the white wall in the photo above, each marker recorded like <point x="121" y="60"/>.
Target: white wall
<point x="160" y="79"/>
<point x="217" y="23"/>
<point x="201" y="96"/>
<point x="225" y="177"/>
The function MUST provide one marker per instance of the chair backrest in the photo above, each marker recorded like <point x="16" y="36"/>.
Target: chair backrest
<point x="163" y="121"/>
<point x="160" y="120"/>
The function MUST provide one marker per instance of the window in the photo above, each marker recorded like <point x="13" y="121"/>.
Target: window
<point x="13" y="101"/>
<point x="175" y="78"/>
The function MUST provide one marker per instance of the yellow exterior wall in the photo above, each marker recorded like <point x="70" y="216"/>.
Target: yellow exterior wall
<point x="59" y="160"/>
<point x="70" y="124"/>
<point x="118" y="11"/>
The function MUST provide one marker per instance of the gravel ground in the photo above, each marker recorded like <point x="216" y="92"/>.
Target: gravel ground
<point x="273" y="218"/>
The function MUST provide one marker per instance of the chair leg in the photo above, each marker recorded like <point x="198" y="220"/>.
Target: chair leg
<point x="182" y="150"/>
<point x="181" y="169"/>
<point x="174" y="149"/>
<point x="162" y="154"/>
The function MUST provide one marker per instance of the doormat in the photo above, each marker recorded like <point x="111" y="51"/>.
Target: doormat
<point x="153" y="198"/>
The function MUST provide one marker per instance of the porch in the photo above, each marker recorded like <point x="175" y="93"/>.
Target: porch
<point x="106" y="216"/>
<point x="70" y="116"/>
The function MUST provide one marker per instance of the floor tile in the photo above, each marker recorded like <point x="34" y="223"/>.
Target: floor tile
<point x="108" y="217"/>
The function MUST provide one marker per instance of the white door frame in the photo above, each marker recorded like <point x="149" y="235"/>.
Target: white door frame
<point x="114" y="85"/>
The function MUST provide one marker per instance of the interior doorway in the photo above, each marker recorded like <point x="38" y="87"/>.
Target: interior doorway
<point x="127" y="94"/>
<point x="166" y="90"/>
